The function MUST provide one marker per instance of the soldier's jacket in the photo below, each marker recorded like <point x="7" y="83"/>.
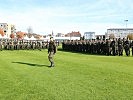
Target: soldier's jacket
<point x="126" y="44"/>
<point x="52" y="47"/>
<point x="113" y="43"/>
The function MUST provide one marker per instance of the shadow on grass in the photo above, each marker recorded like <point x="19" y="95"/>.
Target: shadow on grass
<point x="31" y="64"/>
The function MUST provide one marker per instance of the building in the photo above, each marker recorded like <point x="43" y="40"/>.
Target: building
<point x="89" y="35"/>
<point x="118" y="32"/>
<point x="60" y="35"/>
<point x="8" y="29"/>
<point x="73" y="34"/>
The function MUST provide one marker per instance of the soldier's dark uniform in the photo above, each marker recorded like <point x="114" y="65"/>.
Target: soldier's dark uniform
<point x="103" y="52"/>
<point x="63" y="45"/>
<point x="127" y="47"/>
<point x="108" y="47"/>
<point x="51" y="52"/>
<point x="113" y="46"/>
<point x="92" y="47"/>
<point x="98" y="47"/>
<point x="39" y="45"/>
<point x="79" y="46"/>
<point x="120" y="47"/>
<point x="11" y="45"/>
<point x="76" y="46"/>
<point x="116" y="46"/>
<point x="1" y="45"/>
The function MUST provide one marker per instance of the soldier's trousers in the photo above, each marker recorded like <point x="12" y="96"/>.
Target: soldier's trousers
<point x="114" y="51"/>
<point x="120" y="51"/>
<point x="1" y="47"/>
<point x="132" y="51"/>
<point x="127" y="52"/>
<point x="51" y="58"/>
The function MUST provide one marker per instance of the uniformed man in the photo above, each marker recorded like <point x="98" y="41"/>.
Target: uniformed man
<point x="127" y="47"/>
<point x="120" y="47"/>
<point x="113" y="46"/>
<point x="51" y="51"/>
<point x="108" y="49"/>
<point x="132" y="47"/>
<point x="0" y="45"/>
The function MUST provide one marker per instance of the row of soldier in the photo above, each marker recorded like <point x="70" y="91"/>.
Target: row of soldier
<point x="9" y="44"/>
<point x="105" y="47"/>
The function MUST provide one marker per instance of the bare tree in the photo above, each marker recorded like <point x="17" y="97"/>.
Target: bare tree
<point x="111" y="36"/>
<point x="130" y="36"/>
<point x="30" y="30"/>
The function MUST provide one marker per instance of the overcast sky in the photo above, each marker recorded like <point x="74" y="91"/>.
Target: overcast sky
<point x="63" y="16"/>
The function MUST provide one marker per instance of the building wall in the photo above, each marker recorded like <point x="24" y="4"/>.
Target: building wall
<point x="73" y="34"/>
<point x="89" y="35"/>
<point x="119" y="32"/>
<point x="7" y="28"/>
<point x="60" y="35"/>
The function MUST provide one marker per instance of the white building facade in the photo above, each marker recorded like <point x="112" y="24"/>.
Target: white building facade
<point x="119" y="32"/>
<point x="89" y="35"/>
<point x="7" y="29"/>
<point x="60" y="35"/>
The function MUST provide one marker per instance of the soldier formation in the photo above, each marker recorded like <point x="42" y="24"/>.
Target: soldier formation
<point x="101" y="47"/>
<point x="14" y="44"/>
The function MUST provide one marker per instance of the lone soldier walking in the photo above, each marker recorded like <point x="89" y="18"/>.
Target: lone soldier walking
<point x="51" y="51"/>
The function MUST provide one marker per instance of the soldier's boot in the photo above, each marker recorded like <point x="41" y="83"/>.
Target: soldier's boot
<point x="52" y="64"/>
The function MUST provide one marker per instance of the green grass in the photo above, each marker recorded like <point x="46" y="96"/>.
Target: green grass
<point x="25" y="75"/>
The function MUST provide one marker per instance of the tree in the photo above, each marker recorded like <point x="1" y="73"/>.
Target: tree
<point x="12" y="35"/>
<point x="2" y="32"/>
<point x="20" y="35"/>
<point x="37" y="36"/>
<point x="30" y="30"/>
<point x="130" y="36"/>
<point x="111" y="36"/>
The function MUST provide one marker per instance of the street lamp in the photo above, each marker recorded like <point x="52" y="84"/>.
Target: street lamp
<point x="126" y="22"/>
<point x="126" y="26"/>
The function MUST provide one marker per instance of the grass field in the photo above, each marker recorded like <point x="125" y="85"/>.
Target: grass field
<point x="25" y="75"/>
